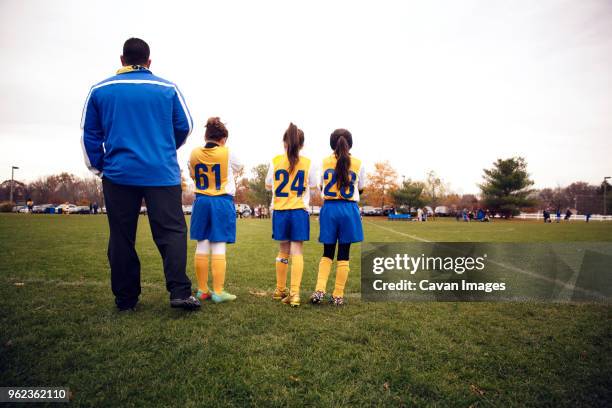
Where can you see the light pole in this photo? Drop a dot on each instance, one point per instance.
(13, 168)
(605, 186)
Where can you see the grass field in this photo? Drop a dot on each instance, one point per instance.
(60, 328)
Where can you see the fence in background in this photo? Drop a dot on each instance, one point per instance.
(581, 217)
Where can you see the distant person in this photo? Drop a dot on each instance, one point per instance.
(419, 214)
(213, 220)
(546, 215)
(290, 177)
(95, 208)
(90, 207)
(30, 205)
(480, 215)
(425, 214)
(588, 216)
(133, 123)
(568, 215)
(558, 215)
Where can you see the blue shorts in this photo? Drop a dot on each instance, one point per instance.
(340, 221)
(213, 218)
(290, 225)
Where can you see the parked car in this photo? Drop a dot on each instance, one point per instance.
(81, 209)
(187, 209)
(64, 208)
(43, 209)
(369, 210)
(243, 210)
(442, 211)
(18, 208)
(388, 210)
(103, 210)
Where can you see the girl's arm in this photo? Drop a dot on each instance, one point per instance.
(269, 177)
(361, 179)
(235, 162)
(313, 177)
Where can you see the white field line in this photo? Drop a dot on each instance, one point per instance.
(397, 232)
(556, 282)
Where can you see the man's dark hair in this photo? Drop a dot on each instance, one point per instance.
(135, 52)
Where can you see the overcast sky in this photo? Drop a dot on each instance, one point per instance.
(448, 86)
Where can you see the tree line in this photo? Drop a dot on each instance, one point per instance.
(506, 189)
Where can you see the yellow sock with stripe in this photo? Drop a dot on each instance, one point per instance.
(218, 272)
(282, 265)
(342, 271)
(297, 269)
(324, 268)
(201, 270)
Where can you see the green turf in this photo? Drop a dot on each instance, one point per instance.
(59, 328)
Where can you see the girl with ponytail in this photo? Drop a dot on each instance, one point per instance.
(290, 177)
(343, 178)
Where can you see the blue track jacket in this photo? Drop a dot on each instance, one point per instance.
(132, 124)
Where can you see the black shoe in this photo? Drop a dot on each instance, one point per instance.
(126, 306)
(189, 303)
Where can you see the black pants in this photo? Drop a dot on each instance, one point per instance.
(344, 250)
(169, 233)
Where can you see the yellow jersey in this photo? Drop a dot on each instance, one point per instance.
(212, 169)
(329, 181)
(290, 191)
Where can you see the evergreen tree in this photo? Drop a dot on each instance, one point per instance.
(505, 189)
(409, 194)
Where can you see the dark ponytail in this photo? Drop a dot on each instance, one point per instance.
(215, 129)
(294, 138)
(341, 142)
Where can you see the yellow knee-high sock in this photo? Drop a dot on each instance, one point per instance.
(201, 270)
(282, 265)
(218, 272)
(297, 269)
(324, 268)
(342, 271)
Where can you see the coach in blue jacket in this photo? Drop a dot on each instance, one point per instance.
(133, 123)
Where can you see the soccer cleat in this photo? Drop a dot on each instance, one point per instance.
(223, 297)
(280, 294)
(189, 303)
(337, 300)
(292, 300)
(202, 296)
(317, 297)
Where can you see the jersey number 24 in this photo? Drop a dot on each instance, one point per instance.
(298, 185)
